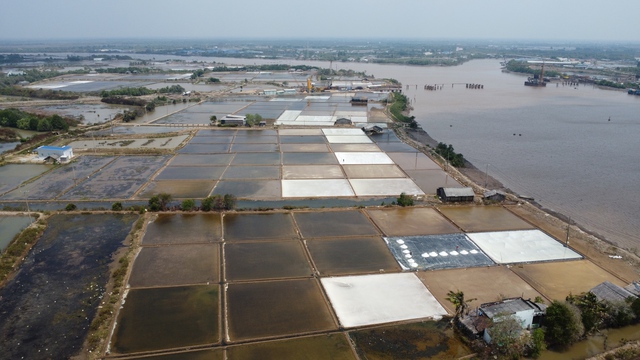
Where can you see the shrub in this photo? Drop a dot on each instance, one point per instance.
(70, 207)
(188, 205)
(405, 200)
(116, 206)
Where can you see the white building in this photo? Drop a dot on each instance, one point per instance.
(58, 153)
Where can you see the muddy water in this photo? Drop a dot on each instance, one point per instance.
(165, 318)
(265, 260)
(46, 309)
(595, 344)
(13, 175)
(334, 346)
(426, 340)
(294, 307)
(334, 223)
(258, 227)
(10, 226)
(183, 228)
(351, 256)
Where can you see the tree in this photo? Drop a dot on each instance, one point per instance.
(44, 125)
(405, 200)
(164, 198)
(458, 300)
(537, 343)
(58, 123)
(229, 201)
(563, 324)
(116, 206)
(70, 207)
(188, 205)
(507, 336)
(250, 119)
(207, 203)
(154, 203)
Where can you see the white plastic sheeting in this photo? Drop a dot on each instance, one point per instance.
(363, 158)
(377, 299)
(505, 247)
(385, 187)
(348, 139)
(316, 188)
(344, 132)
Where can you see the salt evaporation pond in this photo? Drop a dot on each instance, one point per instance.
(10, 226)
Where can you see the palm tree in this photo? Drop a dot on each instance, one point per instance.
(458, 300)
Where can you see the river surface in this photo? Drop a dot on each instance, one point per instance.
(574, 149)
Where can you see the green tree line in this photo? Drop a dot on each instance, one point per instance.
(19, 119)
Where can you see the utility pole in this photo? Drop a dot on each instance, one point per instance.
(26, 200)
(566, 244)
(486, 177)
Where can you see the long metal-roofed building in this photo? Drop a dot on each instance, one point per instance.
(64, 153)
(611, 292)
(464, 194)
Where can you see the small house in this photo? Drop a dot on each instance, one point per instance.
(494, 195)
(464, 194)
(237, 120)
(61, 154)
(270, 92)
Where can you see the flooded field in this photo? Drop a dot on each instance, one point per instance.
(250, 189)
(402, 222)
(135, 129)
(58, 180)
(10, 226)
(90, 114)
(47, 308)
(183, 229)
(334, 223)
(118, 180)
(201, 160)
(167, 143)
(333, 346)
(473, 282)
(179, 189)
(295, 307)
(176, 265)
(258, 227)
(166, 318)
(191, 173)
(484, 218)
(351, 256)
(265, 260)
(215, 354)
(424, 340)
(13, 175)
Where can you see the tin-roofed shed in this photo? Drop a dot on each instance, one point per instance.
(455, 194)
(611, 292)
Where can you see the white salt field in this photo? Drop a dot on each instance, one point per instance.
(377, 299)
(385, 187)
(361, 158)
(506, 247)
(316, 188)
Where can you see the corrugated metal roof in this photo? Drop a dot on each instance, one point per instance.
(510, 306)
(48, 147)
(611, 292)
(457, 192)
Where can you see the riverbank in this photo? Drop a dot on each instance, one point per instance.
(618, 261)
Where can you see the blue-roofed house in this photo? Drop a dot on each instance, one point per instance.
(61, 154)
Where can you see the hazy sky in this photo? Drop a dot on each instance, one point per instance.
(613, 20)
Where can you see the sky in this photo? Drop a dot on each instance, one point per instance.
(553, 20)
